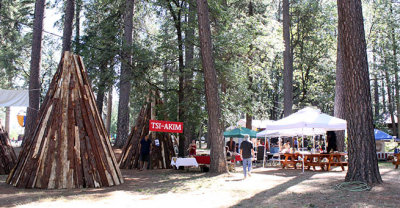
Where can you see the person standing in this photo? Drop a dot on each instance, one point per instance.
(192, 148)
(247, 153)
(331, 137)
(231, 145)
(145, 150)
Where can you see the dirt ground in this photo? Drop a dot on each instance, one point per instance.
(267, 187)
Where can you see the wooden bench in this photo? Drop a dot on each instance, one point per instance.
(290, 159)
(315, 160)
(324, 160)
(397, 162)
(339, 162)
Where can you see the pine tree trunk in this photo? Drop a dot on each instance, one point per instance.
(109, 110)
(7, 121)
(101, 88)
(100, 100)
(78, 6)
(218, 158)
(390, 98)
(188, 76)
(177, 16)
(339, 108)
(363, 163)
(249, 118)
(34, 77)
(249, 121)
(125, 84)
(395, 67)
(383, 95)
(376, 87)
(287, 61)
(376, 97)
(68, 20)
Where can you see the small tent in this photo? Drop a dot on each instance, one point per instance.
(240, 132)
(380, 135)
(69, 147)
(163, 148)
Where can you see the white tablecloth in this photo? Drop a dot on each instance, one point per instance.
(184, 162)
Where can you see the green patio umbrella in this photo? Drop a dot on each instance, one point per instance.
(240, 132)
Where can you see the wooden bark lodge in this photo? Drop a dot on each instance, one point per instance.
(161, 155)
(69, 148)
(7, 154)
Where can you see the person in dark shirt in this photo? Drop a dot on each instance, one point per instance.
(145, 150)
(231, 145)
(331, 138)
(247, 152)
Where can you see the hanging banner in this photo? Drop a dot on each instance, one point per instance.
(166, 126)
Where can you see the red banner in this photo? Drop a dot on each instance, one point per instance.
(166, 126)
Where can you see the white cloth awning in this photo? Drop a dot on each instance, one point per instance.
(14, 98)
(309, 118)
(291, 132)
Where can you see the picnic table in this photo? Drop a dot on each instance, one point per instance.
(324, 161)
(397, 162)
(290, 159)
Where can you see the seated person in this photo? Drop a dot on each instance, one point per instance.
(286, 147)
(228, 154)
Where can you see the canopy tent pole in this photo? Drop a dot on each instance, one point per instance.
(269, 143)
(265, 149)
(313, 143)
(302, 152)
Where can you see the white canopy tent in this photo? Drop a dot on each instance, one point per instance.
(309, 118)
(308, 121)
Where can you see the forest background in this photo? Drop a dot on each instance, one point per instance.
(248, 52)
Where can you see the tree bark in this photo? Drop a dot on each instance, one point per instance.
(249, 121)
(376, 87)
(287, 61)
(390, 97)
(249, 114)
(395, 68)
(383, 95)
(363, 163)
(376, 98)
(125, 84)
(7, 121)
(101, 88)
(109, 110)
(218, 157)
(177, 16)
(188, 75)
(68, 20)
(100, 100)
(34, 78)
(78, 6)
(339, 108)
